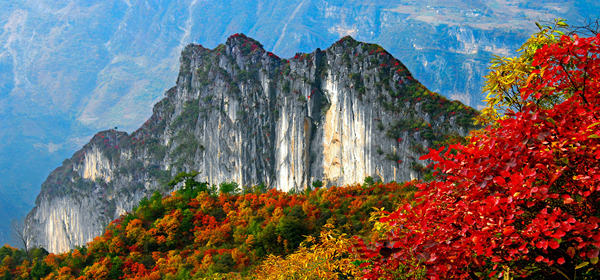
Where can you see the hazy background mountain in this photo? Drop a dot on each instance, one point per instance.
(70, 68)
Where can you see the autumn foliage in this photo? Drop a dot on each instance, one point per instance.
(196, 233)
(521, 199)
(327, 258)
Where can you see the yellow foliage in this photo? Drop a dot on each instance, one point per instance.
(329, 259)
(64, 273)
(206, 201)
(168, 225)
(380, 230)
(278, 214)
(98, 270)
(172, 200)
(134, 229)
(23, 269)
(509, 75)
(7, 261)
(207, 261)
(116, 245)
(135, 256)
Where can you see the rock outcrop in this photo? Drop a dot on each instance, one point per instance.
(239, 113)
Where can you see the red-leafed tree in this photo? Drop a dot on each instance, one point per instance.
(522, 197)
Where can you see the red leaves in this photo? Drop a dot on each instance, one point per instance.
(520, 191)
(593, 253)
(553, 244)
(558, 234)
(542, 244)
(433, 155)
(507, 231)
(499, 180)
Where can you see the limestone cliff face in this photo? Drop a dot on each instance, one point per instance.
(240, 113)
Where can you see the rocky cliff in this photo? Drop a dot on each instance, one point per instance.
(240, 113)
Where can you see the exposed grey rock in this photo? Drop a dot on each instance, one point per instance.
(239, 113)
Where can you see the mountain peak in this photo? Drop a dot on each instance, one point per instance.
(347, 38)
(239, 39)
(346, 41)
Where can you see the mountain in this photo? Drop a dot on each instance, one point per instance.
(242, 114)
(70, 68)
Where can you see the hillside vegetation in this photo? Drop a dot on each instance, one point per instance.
(216, 232)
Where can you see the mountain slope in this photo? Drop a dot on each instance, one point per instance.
(242, 114)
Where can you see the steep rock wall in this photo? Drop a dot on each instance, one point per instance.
(239, 113)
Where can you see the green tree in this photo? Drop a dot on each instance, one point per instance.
(40, 270)
(190, 187)
(228, 188)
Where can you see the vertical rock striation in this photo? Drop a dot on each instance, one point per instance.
(240, 113)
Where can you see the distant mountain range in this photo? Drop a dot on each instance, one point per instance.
(70, 68)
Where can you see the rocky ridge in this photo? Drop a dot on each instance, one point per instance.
(240, 113)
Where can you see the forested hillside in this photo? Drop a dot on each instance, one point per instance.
(220, 232)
